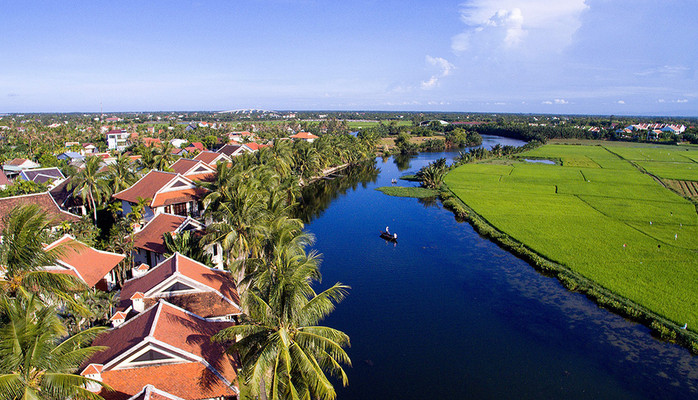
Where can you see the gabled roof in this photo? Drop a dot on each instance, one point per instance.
(232, 150)
(304, 135)
(150, 392)
(43, 200)
(18, 161)
(210, 157)
(3, 179)
(254, 146)
(83, 261)
(194, 366)
(150, 237)
(163, 188)
(178, 268)
(41, 175)
(194, 169)
(64, 197)
(196, 146)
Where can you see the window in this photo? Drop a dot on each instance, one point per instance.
(151, 355)
(179, 209)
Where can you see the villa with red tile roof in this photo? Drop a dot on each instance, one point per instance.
(150, 142)
(169, 348)
(234, 150)
(148, 242)
(212, 158)
(307, 136)
(45, 202)
(255, 146)
(166, 192)
(94, 267)
(207, 292)
(194, 169)
(240, 137)
(195, 146)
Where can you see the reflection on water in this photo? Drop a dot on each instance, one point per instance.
(449, 314)
(315, 198)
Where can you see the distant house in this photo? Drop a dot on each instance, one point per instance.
(240, 137)
(117, 139)
(71, 156)
(151, 142)
(212, 158)
(254, 146)
(675, 129)
(306, 136)
(94, 267)
(13, 167)
(176, 142)
(166, 192)
(43, 200)
(167, 347)
(195, 147)
(42, 175)
(234, 150)
(3, 181)
(89, 148)
(207, 292)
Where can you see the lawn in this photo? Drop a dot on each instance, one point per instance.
(600, 216)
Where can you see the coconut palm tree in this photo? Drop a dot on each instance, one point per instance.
(119, 175)
(36, 359)
(90, 184)
(187, 244)
(164, 157)
(23, 258)
(284, 353)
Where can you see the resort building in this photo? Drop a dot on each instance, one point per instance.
(165, 192)
(207, 292)
(212, 158)
(168, 348)
(96, 268)
(43, 200)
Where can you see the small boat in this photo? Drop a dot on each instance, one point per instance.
(389, 237)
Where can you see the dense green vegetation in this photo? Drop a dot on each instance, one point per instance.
(598, 215)
(401, 191)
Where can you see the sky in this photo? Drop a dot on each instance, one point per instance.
(621, 57)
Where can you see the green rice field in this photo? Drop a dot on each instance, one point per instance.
(597, 213)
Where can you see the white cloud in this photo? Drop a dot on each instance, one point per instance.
(682, 100)
(444, 68)
(546, 102)
(661, 101)
(621, 101)
(561, 101)
(532, 25)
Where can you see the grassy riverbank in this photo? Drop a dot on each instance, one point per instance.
(611, 228)
(401, 191)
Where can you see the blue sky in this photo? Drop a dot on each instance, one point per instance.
(538, 56)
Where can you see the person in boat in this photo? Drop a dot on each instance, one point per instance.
(395, 236)
(387, 231)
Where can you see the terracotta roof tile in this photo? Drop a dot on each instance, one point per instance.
(217, 280)
(179, 196)
(43, 200)
(150, 237)
(210, 157)
(91, 264)
(146, 187)
(304, 135)
(229, 149)
(188, 381)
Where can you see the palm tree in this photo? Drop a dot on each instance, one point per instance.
(164, 157)
(284, 353)
(23, 258)
(120, 175)
(90, 184)
(187, 244)
(36, 359)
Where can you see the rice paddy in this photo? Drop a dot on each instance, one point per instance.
(599, 214)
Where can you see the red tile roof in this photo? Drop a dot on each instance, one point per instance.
(304, 135)
(150, 237)
(16, 161)
(90, 264)
(3, 179)
(43, 200)
(210, 157)
(187, 381)
(150, 392)
(193, 169)
(219, 283)
(181, 331)
(154, 181)
(229, 149)
(255, 146)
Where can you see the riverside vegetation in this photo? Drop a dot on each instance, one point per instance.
(601, 219)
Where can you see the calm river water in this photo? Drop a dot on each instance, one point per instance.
(448, 314)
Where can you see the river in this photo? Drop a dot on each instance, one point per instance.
(446, 313)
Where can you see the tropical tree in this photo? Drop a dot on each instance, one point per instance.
(432, 175)
(23, 258)
(90, 184)
(284, 353)
(164, 157)
(187, 244)
(120, 175)
(36, 359)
